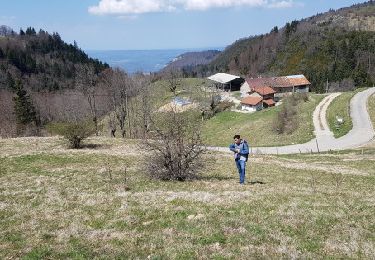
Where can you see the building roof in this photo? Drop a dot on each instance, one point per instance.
(298, 80)
(223, 78)
(279, 82)
(252, 101)
(269, 102)
(263, 90)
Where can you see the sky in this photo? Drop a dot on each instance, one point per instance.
(158, 24)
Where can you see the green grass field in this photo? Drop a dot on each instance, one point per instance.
(188, 87)
(340, 107)
(57, 203)
(371, 109)
(257, 127)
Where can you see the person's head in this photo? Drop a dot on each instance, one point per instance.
(237, 139)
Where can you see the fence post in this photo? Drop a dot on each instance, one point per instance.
(317, 145)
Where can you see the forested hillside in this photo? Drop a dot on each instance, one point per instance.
(337, 46)
(42, 61)
(43, 79)
(188, 60)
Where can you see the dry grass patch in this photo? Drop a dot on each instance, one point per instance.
(64, 205)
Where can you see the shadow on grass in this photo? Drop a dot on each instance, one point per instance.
(95, 146)
(219, 178)
(256, 182)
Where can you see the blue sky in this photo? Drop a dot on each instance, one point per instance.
(158, 24)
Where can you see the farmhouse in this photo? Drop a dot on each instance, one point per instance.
(266, 93)
(282, 85)
(252, 104)
(227, 82)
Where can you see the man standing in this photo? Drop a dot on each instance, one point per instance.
(241, 154)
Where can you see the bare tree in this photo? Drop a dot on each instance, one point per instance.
(112, 124)
(173, 77)
(86, 80)
(142, 83)
(176, 146)
(119, 89)
(7, 117)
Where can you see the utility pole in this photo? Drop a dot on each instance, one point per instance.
(327, 86)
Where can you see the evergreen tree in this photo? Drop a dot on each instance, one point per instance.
(24, 109)
(288, 29)
(275, 29)
(30, 31)
(9, 81)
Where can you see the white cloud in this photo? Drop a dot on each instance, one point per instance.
(281, 4)
(127, 7)
(207, 4)
(130, 6)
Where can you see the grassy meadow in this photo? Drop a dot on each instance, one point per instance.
(97, 202)
(340, 107)
(187, 87)
(257, 127)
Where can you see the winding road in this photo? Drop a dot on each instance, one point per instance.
(361, 133)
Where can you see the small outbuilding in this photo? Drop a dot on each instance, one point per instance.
(227, 82)
(252, 104)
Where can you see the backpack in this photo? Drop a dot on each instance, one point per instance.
(246, 155)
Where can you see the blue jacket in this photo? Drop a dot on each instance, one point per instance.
(243, 147)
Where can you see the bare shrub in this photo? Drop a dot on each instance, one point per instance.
(7, 116)
(303, 96)
(286, 120)
(343, 85)
(222, 106)
(176, 146)
(74, 133)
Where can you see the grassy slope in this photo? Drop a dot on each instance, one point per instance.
(371, 109)
(257, 127)
(340, 106)
(189, 87)
(63, 204)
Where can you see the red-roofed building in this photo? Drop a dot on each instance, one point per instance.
(269, 103)
(281, 85)
(252, 104)
(265, 92)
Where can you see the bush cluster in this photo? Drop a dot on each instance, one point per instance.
(286, 120)
(175, 147)
(74, 133)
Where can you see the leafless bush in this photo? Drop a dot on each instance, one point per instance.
(343, 85)
(222, 106)
(176, 147)
(7, 117)
(286, 120)
(74, 133)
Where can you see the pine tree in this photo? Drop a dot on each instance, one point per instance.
(30, 31)
(24, 109)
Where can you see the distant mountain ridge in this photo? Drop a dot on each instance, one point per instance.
(190, 59)
(336, 46)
